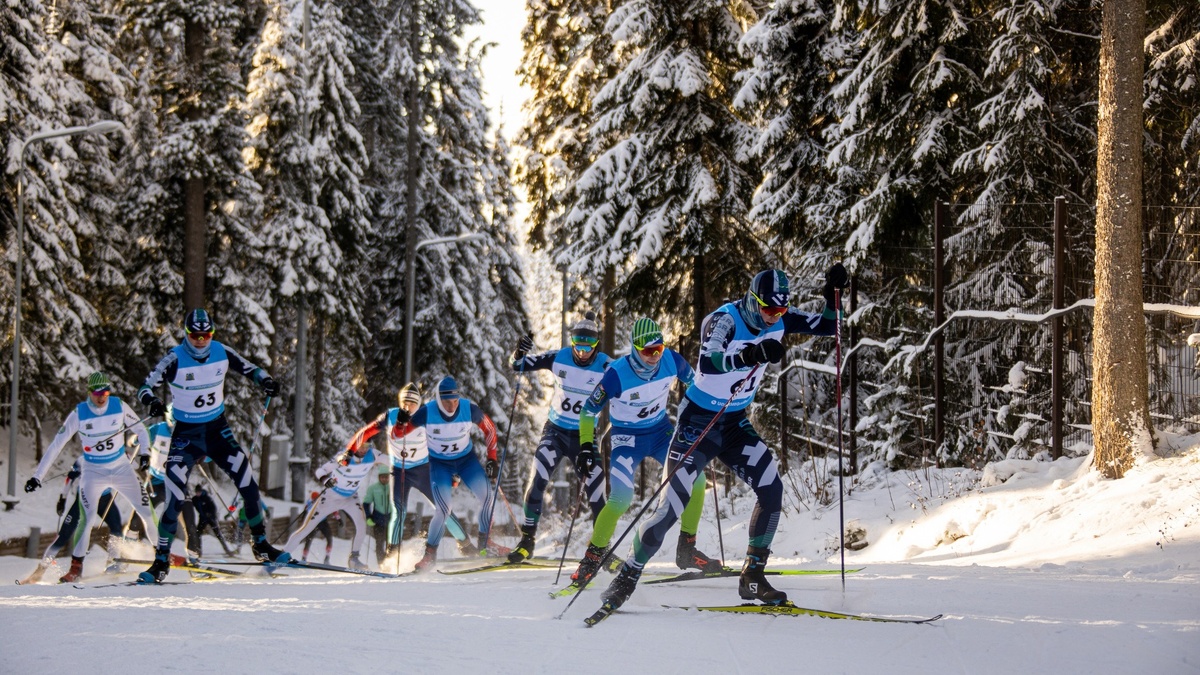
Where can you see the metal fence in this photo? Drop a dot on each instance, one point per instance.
(939, 377)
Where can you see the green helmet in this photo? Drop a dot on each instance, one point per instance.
(645, 332)
(97, 381)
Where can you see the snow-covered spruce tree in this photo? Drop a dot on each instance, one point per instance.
(468, 298)
(566, 60)
(664, 201)
(904, 83)
(1035, 135)
(195, 132)
(1171, 188)
(65, 257)
(315, 213)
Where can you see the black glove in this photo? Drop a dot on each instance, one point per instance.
(155, 407)
(402, 417)
(32, 484)
(329, 482)
(492, 469)
(835, 277)
(143, 463)
(587, 460)
(61, 505)
(767, 351)
(270, 387)
(524, 345)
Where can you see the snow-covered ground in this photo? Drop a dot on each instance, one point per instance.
(1039, 567)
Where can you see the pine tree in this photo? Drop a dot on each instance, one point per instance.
(663, 202)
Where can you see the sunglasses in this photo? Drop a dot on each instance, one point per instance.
(652, 350)
(769, 310)
(584, 342)
(103, 391)
(201, 334)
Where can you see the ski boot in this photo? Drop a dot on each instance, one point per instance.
(355, 563)
(158, 570)
(326, 561)
(427, 561)
(74, 573)
(687, 556)
(621, 587)
(753, 583)
(265, 552)
(469, 550)
(589, 565)
(524, 547)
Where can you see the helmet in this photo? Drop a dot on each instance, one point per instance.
(409, 393)
(98, 381)
(645, 333)
(768, 289)
(198, 321)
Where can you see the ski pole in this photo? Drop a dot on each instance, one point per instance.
(213, 487)
(671, 474)
(504, 452)
(837, 301)
(288, 528)
(574, 515)
(508, 505)
(717, 509)
(401, 512)
(257, 427)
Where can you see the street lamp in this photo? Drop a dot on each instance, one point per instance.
(410, 291)
(14, 400)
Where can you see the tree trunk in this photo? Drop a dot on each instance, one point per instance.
(318, 431)
(195, 253)
(1120, 412)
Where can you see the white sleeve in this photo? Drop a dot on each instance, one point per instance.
(132, 421)
(65, 432)
(326, 469)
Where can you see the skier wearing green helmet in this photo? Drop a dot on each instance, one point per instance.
(636, 388)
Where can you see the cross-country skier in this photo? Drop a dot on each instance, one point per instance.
(736, 339)
(447, 422)
(410, 465)
(577, 369)
(636, 388)
(195, 371)
(67, 529)
(342, 476)
(101, 423)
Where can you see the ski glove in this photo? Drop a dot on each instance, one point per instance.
(402, 418)
(492, 468)
(767, 351)
(270, 387)
(32, 484)
(61, 505)
(836, 277)
(524, 346)
(155, 407)
(143, 463)
(587, 460)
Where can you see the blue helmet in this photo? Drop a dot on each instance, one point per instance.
(447, 390)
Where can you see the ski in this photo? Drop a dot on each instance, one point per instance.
(523, 565)
(181, 563)
(606, 610)
(300, 564)
(570, 589)
(130, 583)
(789, 609)
(732, 572)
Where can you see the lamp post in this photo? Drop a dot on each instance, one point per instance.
(14, 400)
(410, 291)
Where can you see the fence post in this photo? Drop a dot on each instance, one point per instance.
(1056, 358)
(941, 214)
(33, 544)
(853, 373)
